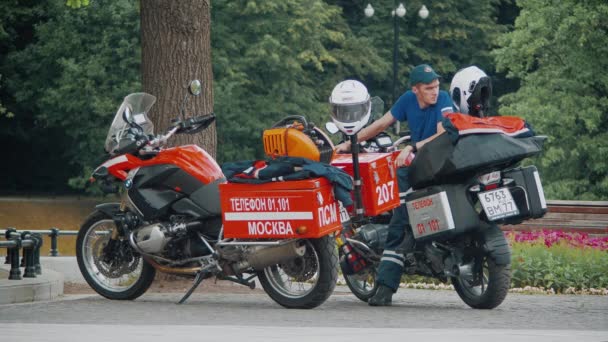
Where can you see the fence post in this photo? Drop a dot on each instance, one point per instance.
(28, 255)
(23, 255)
(39, 241)
(54, 234)
(15, 273)
(7, 236)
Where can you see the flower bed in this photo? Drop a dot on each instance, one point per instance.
(552, 237)
(559, 262)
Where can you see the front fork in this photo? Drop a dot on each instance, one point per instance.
(123, 220)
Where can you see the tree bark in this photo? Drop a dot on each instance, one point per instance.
(176, 48)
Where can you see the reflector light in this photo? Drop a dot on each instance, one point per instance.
(489, 178)
(491, 186)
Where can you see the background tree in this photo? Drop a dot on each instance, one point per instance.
(456, 34)
(176, 40)
(275, 58)
(558, 51)
(64, 73)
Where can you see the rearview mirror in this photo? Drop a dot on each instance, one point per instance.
(377, 107)
(195, 87)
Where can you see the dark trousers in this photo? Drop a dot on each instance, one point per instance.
(391, 264)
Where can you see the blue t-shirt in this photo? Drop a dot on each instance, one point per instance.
(422, 122)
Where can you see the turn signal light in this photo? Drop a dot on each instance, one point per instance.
(301, 230)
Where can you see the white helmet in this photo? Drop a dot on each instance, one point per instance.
(350, 106)
(471, 90)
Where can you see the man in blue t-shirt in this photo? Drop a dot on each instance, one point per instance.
(423, 108)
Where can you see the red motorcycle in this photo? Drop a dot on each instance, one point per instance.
(178, 215)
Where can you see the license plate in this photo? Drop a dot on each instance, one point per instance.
(498, 204)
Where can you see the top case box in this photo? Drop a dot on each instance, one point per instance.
(378, 180)
(292, 209)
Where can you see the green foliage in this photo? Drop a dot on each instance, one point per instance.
(64, 71)
(16, 21)
(558, 51)
(77, 3)
(455, 34)
(558, 267)
(276, 58)
(72, 77)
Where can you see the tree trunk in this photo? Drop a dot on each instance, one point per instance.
(176, 48)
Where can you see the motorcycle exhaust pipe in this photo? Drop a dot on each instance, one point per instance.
(263, 257)
(184, 271)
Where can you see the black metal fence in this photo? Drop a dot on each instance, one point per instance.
(29, 242)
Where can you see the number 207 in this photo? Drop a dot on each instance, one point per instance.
(385, 192)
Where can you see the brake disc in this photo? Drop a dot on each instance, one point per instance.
(122, 262)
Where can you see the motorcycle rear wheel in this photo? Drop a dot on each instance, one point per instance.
(124, 275)
(486, 286)
(304, 282)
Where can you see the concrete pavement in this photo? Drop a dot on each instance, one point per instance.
(184, 333)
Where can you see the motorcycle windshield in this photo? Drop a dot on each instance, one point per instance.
(137, 106)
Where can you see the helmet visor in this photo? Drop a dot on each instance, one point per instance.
(348, 113)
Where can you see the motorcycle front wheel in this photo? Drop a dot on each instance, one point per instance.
(110, 266)
(363, 284)
(304, 282)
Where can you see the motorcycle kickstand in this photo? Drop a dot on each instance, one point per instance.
(197, 281)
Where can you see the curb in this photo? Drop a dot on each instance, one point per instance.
(47, 286)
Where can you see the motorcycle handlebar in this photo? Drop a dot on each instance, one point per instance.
(402, 140)
(191, 125)
(204, 120)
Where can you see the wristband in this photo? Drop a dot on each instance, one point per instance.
(414, 149)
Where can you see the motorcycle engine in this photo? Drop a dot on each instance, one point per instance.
(151, 239)
(373, 235)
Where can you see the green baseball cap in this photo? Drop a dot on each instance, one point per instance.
(422, 73)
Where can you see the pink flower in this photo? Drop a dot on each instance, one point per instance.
(551, 237)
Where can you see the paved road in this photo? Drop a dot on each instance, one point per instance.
(425, 315)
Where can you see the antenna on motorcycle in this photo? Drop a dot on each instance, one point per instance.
(194, 88)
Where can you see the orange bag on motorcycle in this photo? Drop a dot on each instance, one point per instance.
(472, 146)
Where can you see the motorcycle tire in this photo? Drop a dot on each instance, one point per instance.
(124, 279)
(314, 276)
(490, 283)
(363, 285)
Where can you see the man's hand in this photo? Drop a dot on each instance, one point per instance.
(400, 161)
(343, 147)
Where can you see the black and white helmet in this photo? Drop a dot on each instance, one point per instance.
(471, 90)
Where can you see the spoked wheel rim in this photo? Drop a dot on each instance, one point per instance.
(298, 277)
(474, 277)
(364, 283)
(117, 273)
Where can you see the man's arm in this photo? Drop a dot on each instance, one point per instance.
(369, 131)
(440, 130)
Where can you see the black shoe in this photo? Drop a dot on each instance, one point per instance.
(383, 297)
